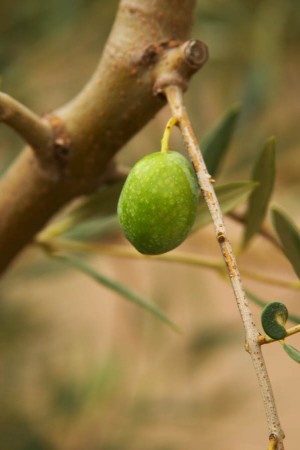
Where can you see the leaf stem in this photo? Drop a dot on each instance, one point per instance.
(289, 332)
(174, 97)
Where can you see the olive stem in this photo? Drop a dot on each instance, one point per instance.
(166, 136)
(289, 332)
(174, 97)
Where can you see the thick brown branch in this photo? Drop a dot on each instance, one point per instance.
(116, 103)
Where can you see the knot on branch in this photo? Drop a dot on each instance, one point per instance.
(196, 53)
(58, 154)
(177, 64)
(61, 150)
(154, 52)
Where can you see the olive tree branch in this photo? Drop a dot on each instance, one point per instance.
(87, 132)
(174, 97)
(35, 131)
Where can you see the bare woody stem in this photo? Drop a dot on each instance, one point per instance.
(289, 332)
(174, 97)
(36, 132)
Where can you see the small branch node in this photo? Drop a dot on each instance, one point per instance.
(196, 53)
(247, 347)
(59, 151)
(221, 237)
(273, 441)
(177, 64)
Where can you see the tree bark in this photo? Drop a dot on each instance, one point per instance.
(87, 132)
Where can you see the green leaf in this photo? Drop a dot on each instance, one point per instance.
(83, 267)
(289, 236)
(101, 204)
(264, 174)
(229, 195)
(273, 317)
(258, 301)
(94, 228)
(292, 352)
(216, 143)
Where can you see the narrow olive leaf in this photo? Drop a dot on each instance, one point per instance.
(292, 352)
(229, 195)
(264, 174)
(273, 318)
(258, 301)
(101, 204)
(83, 267)
(289, 236)
(94, 229)
(216, 143)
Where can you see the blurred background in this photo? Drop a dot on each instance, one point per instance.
(80, 367)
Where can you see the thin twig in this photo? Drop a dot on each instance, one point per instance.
(36, 132)
(289, 332)
(125, 252)
(174, 97)
(48, 235)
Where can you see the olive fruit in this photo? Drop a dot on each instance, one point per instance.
(158, 202)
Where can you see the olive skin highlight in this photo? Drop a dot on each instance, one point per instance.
(158, 203)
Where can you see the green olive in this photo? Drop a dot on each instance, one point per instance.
(158, 203)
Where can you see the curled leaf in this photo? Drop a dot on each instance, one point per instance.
(258, 301)
(273, 319)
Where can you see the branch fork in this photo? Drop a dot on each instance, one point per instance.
(64, 162)
(177, 65)
(46, 136)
